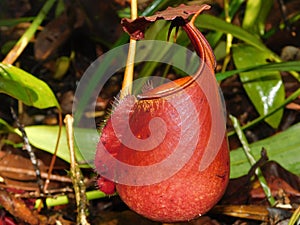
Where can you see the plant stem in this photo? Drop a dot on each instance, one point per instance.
(53, 159)
(229, 37)
(76, 175)
(295, 217)
(129, 70)
(16, 51)
(252, 160)
(63, 199)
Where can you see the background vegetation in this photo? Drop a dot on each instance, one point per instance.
(47, 45)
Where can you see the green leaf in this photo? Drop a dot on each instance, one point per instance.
(6, 47)
(282, 148)
(264, 88)
(44, 137)
(214, 37)
(263, 15)
(282, 66)
(13, 22)
(256, 14)
(213, 23)
(61, 67)
(25, 87)
(60, 8)
(5, 127)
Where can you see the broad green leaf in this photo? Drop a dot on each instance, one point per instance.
(44, 137)
(264, 88)
(25, 87)
(282, 148)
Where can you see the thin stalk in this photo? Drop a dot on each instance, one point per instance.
(76, 175)
(129, 70)
(252, 160)
(229, 36)
(17, 50)
(63, 199)
(53, 159)
(295, 217)
(30, 152)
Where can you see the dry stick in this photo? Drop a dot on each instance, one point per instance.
(283, 12)
(28, 148)
(128, 74)
(76, 175)
(53, 159)
(32, 173)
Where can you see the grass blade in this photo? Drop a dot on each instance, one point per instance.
(250, 157)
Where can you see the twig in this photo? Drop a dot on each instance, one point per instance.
(55, 152)
(32, 173)
(28, 148)
(283, 12)
(129, 70)
(76, 175)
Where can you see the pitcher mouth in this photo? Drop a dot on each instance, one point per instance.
(166, 89)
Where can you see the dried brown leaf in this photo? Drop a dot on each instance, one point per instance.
(136, 28)
(17, 208)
